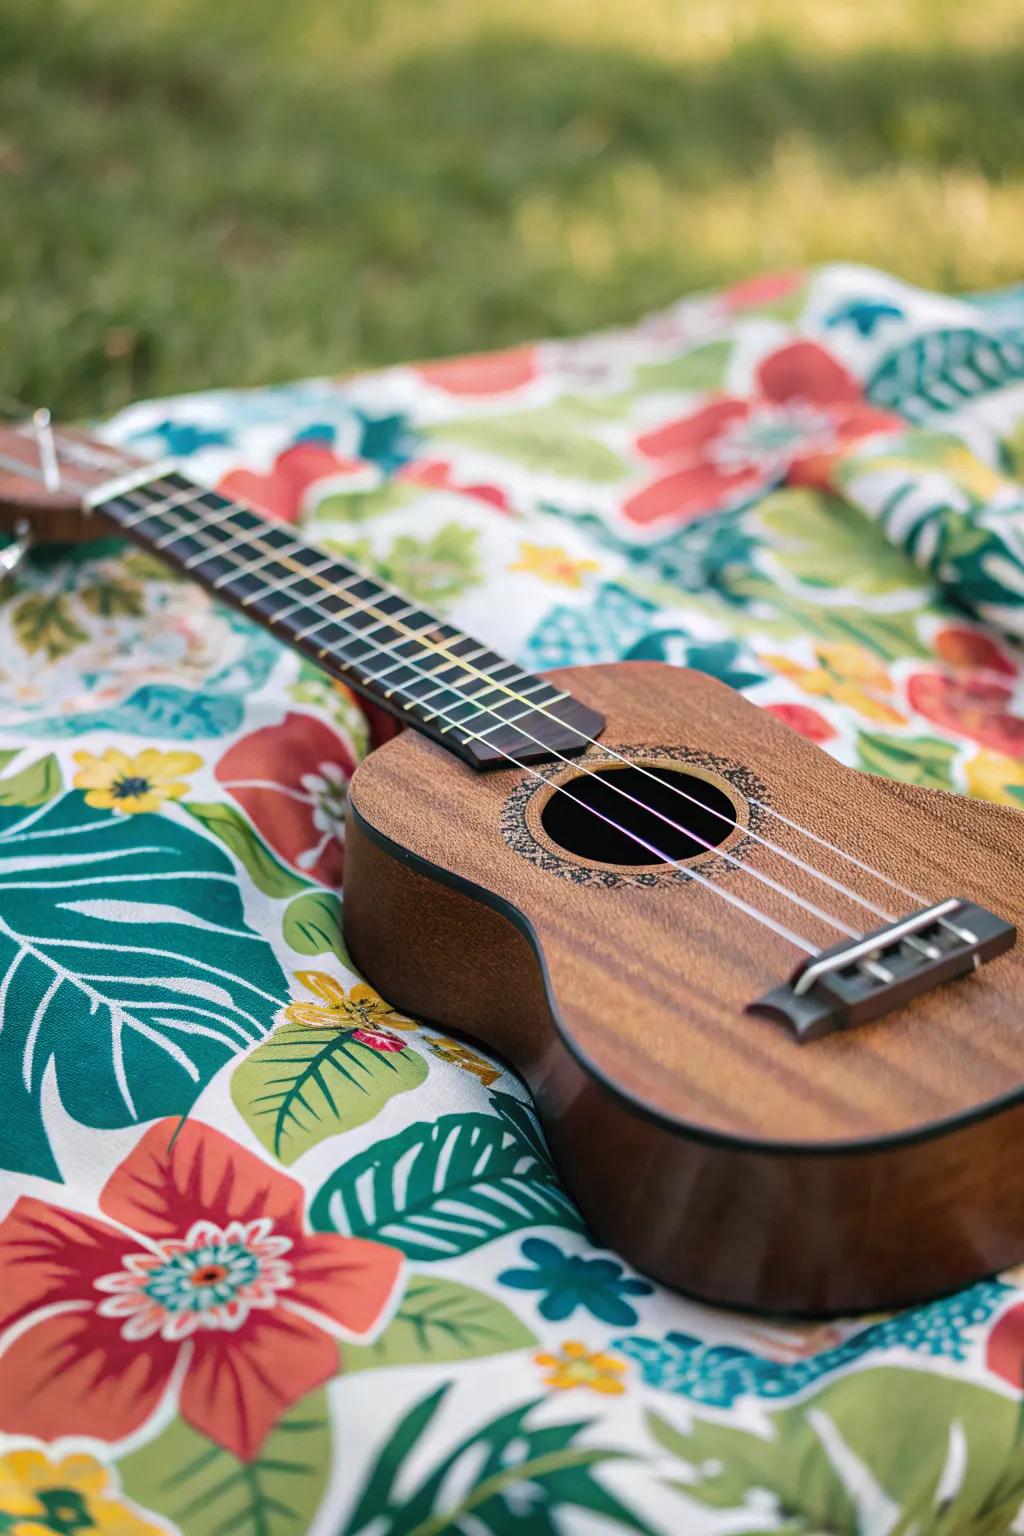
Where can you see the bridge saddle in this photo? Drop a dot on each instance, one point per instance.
(863, 979)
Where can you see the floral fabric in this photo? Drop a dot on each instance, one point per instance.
(275, 1258)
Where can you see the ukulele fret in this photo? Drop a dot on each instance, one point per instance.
(284, 588)
(429, 673)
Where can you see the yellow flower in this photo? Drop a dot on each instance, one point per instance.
(116, 782)
(575, 1366)
(39, 1496)
(992, 776)
(359, 1008)
(461, 1056)
(549, 563)
(853, 663)
(846, 674)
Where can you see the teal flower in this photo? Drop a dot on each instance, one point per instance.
(865, 315)
(569, 1281)
(181, 438)
(727, 660)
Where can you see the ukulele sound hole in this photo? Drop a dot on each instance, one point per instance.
(698, 815)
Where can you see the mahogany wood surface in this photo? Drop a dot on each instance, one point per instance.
(868, 1168)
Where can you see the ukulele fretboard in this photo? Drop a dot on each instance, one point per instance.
(429, 673)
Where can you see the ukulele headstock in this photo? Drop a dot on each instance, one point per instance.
(45, 475)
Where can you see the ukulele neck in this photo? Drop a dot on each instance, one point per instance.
(428, 673)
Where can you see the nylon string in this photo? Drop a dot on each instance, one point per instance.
(160, 507)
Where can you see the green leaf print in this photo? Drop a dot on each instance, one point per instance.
(891, 1450)
(440, 1321)
(442, 1188)
(824, 542)
(231, 827)
(434, 570)
(917, 446)
(549, 441)
(141, 565)
(127, 970)
(363, 506)
(110, 599)
(521, 1119)
(312, 925)
(42, 623)
(914, 759)
(941, 369)
(204, 1490)
(1013, 449)
(772, 612)
(524, 1479)
(305, 1084)
(32, 785)
(960, 521)
(702, 368)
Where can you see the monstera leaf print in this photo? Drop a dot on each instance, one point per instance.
(443, 1188)
(129, 976)
(942, 369)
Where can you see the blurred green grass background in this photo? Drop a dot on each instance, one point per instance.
(245, 191)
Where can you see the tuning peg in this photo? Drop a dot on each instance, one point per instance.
(13, 554)
(48, 461)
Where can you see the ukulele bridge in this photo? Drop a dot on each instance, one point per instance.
(863, 979)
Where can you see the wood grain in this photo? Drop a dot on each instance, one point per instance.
(706, 1144)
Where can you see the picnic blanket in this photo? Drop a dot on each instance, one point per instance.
(275, 1258)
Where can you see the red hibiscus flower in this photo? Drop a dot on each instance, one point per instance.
(483, 373)
(209, 1287)
(281, 492)
(290, 779)
(969, 706)
(437, 474)
(756, 292)
(799, 717)
(959, 646)
(806, 408)
(1004, 1347)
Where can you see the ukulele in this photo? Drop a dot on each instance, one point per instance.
(770, 1009)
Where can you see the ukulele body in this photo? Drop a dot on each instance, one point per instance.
(871, 1168)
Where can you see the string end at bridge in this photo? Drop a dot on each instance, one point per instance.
(863, 979)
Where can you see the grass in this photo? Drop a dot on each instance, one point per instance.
(198, 194)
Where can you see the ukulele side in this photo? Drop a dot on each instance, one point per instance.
(813, 1227)
(812, 1235)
